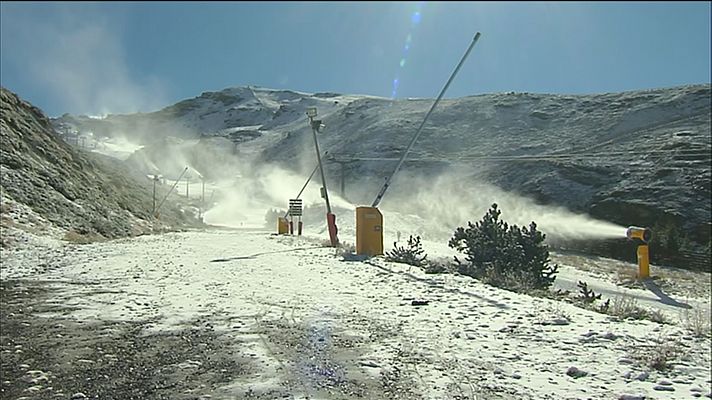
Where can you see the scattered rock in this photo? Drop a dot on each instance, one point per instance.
(575, 372)
(631, 397)
(664, 388)
(556, 321)
(369, 363)
(643, 376)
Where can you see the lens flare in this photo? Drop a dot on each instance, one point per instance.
(415, 19)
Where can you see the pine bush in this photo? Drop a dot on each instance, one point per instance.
(502, 255)
(413, 254)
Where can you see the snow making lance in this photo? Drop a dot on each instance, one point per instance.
(155, 213)
(317, 125)
(369, 220)
(283, 225)
(642, 236)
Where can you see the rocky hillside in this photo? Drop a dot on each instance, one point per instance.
(82, 193)
(632, 158)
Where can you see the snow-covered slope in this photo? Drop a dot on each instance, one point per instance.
(225, 313)
(295, 321)
(632, 158)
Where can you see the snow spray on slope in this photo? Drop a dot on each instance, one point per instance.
(238, 191)
(433, 210)
(451, 200)
(246, 199)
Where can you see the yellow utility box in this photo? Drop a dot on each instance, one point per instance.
(282, 226)
(369, 231)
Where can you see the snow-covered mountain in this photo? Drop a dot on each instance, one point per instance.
(47, 183)
(245, 313)
(632, 158)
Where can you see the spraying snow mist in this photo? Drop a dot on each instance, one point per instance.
(247, 199)
(451, 200)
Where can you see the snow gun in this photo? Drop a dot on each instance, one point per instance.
(635, 232)
(643, 235)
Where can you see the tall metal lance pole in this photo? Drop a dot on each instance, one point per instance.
(330, 218)
(187, 185)
(343, 180)
(170, 191)
(420, 128)
(305, 184)
(153, 210)
(314, 124)
(202, 197)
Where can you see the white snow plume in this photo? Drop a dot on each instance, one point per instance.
(451, 200)
(117, 147)
(246, 200)
(78, 56)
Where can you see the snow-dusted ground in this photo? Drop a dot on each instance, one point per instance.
(115, 147)
(300, 311)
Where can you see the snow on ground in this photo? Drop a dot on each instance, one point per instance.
(674, 305)
(471, 340)
(29, 241)
(117, 147)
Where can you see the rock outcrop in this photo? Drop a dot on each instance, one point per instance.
(86, 193)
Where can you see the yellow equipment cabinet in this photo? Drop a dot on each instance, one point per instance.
(369, 231)
(282, 226)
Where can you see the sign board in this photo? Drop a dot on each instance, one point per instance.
(295, 207)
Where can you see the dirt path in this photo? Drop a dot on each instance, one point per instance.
(247, 315)
(60, 357)
(46, 354)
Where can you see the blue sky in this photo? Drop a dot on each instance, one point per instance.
(97, 58)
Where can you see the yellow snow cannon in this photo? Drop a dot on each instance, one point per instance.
(643, 236)
(635, 232)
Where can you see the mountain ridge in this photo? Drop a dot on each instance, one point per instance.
(84, 194)
(632, 158)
